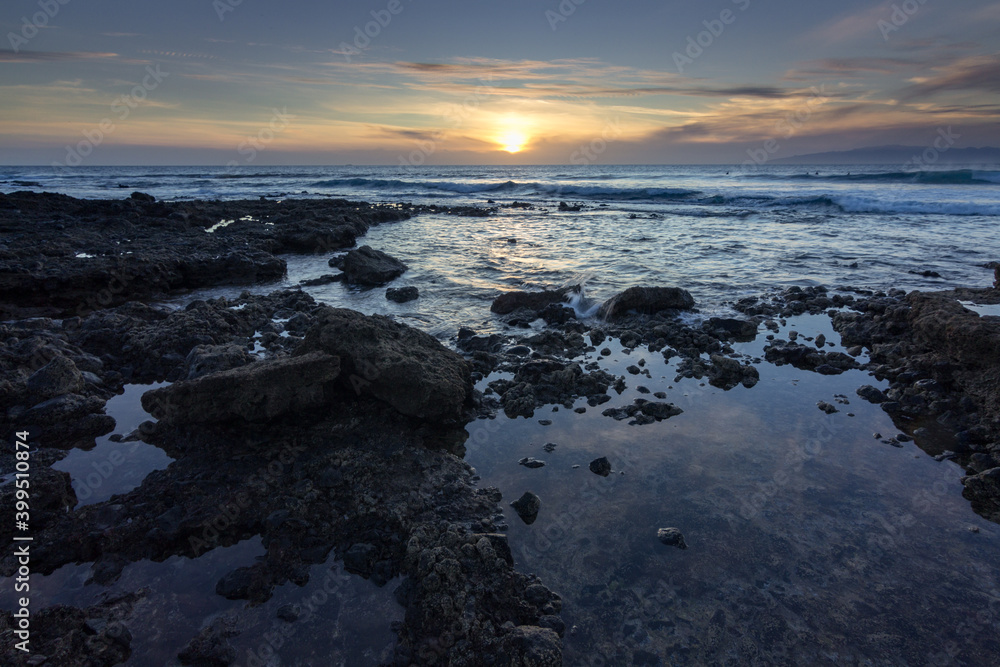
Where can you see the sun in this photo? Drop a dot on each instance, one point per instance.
(513, 141)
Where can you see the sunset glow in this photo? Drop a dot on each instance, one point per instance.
(531, 90)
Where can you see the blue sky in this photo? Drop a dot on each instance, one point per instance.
(475, 82)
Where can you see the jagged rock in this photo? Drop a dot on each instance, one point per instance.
(983, 490)
(207, 359)
(742, 330)
(726, 373)
(646, 300)
(256, 392)
(508, 302)
(59, 376)
(400, 365)
(872, 394)
(367, 266)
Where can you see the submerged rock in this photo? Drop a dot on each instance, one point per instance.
(402, 294)
(527, 507)
(646, 300)
(531, 462)
(672, 537)
(405, 367)
(256, 392)
(367, 266)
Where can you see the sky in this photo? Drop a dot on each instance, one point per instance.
(220, 82)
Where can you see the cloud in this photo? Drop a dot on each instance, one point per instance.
(979, 74)
(851, 26)
(8, 56)
(851, 68)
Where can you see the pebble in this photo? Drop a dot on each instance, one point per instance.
(672, 537)
(601, 466)
(530, 462)
(545, 422)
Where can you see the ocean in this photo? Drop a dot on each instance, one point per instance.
(721, 232)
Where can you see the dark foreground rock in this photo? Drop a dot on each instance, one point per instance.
(257, 392)
(402, 366)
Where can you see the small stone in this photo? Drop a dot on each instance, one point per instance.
(527, 507)
(289, 612)
(826, 407)
(672, 537)
(601, 466)
(545, 422)
(529, 462)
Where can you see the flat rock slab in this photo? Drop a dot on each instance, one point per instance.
(254, 393)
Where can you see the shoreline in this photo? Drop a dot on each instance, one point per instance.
(447, 537)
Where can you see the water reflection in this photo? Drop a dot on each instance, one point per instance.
(809, 541)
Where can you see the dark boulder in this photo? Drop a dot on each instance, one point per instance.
(367, 266)
(646, 300)
(402, 294)
(400, 365)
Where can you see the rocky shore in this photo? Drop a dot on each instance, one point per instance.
(326, 432)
